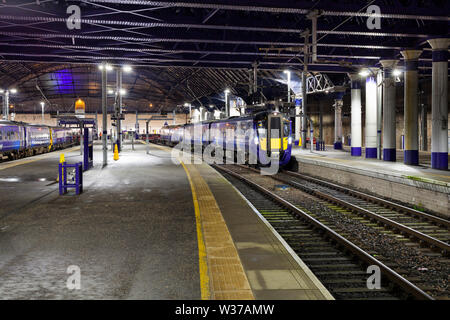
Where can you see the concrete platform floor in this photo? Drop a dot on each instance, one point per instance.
(121, 232)
(343, 158)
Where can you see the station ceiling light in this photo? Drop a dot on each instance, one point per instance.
(396, 72)
(364, 73)
(108, 67)
(2, 91)
(123, 92)
(127, 68)
(13, 90)
(227, 91)
(110, 91)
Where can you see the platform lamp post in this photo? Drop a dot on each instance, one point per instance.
(227, 103)
(104, 67)
(288, 73)
(5, 95)
(120, 92)
(42, 108)
(186, 104)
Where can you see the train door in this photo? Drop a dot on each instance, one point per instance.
(274, 133)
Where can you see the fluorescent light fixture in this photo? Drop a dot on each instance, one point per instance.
(227, 91)
(286, 71)
(364, 73)
(127, 68)
(396, 72)
(123, 91)
(42, 103)
(186, 104)
(110, 91)
(13, 90)
(108, 67)
(2, 91)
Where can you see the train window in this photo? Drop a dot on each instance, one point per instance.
(285, 129)
(275, 123)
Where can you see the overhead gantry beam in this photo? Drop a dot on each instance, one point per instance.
(268, 9)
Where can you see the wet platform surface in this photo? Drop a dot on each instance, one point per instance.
(344, 159)
(136, 233)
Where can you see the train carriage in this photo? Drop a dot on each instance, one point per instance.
(268, 133)
(18, 139)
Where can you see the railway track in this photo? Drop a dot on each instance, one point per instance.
(424, 228)
(339, 264)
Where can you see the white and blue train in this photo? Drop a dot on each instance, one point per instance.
(19, 139)
(263, 125)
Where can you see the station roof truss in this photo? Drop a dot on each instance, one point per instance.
(193, 50)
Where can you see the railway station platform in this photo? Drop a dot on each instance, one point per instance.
(419, 186)
(144, 228)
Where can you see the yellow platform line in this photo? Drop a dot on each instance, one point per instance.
(38, 157)
(203, 265)
(222, 275)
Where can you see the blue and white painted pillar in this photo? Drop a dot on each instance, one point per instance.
(411, 109)
(439, 104)
(338, 103)
(389, 141)
(371, 117)
(356, 115)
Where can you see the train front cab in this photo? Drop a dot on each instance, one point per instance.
(275, 140)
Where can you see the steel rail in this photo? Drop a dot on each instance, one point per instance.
(385, 203)
(361, 254)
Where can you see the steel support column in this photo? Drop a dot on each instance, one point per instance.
(411, 110)
(119, 109)
(104, 115)
(338, 103)
(379, 110)
(389, 130)
(304, 110)
(439, 104)
(371, 118)
(356, 131)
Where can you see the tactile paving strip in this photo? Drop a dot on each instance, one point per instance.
(227, 279)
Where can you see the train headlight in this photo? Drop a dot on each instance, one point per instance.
(290, 140)
(256, 140)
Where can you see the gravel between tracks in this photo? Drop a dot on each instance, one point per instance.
(429, 272)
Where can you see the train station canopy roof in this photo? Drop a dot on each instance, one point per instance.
(193, 50)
